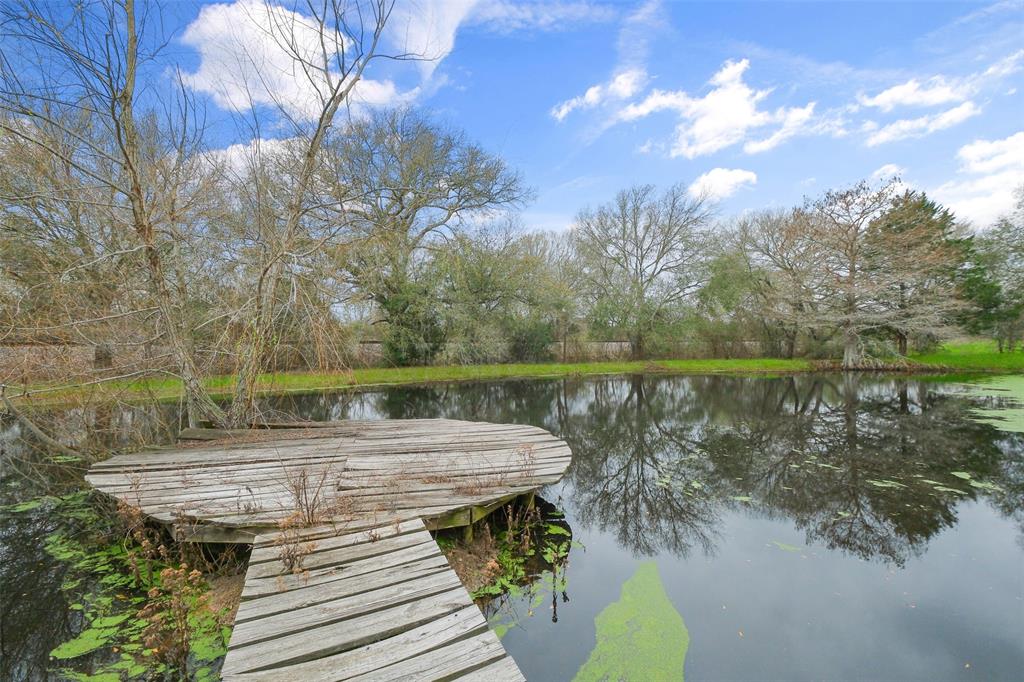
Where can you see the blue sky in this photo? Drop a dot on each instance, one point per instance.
(759, 104)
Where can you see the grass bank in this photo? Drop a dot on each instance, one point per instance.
(395, 376)
(981, 356)
(972, 356)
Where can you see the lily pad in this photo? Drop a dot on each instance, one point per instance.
(89, 640)
(886, 484)
(639, 637)
(1009, 417)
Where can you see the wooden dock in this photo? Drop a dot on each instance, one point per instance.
(372, 597)
(382, 608)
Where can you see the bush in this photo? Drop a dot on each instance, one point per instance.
(530, 340)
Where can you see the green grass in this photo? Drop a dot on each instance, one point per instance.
(972, 355)
(221, 386)
(391, 376)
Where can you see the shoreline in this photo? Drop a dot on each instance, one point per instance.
(952, 360)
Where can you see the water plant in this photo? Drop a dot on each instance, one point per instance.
(143, 612)
(641, 636)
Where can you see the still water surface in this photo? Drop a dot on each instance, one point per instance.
(809, 527)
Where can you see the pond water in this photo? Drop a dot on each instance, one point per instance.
(817, 526)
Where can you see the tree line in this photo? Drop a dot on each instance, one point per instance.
(124, 229)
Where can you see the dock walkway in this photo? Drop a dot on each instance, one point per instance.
(382, 608)
(373, 597)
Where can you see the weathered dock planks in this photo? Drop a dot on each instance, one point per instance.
(374, 598)
(382, 604)
(356, 474)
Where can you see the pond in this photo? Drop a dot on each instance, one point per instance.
(806, 527)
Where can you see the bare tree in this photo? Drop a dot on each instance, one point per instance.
(147, 197)
(348, 36)
(84, 62)
(406, 184)
(641, 255)
(780, 256)
(839, 228)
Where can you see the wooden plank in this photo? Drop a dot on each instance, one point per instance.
(319, 560)
(255, 587)
(402, 646)
(284, 623)
(447, 662)
(352, 581)
(319, 641)
(502, 670)
(343, 540)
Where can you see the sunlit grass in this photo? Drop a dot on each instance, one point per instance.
(973, 355)
(968, 356)
(221, 386)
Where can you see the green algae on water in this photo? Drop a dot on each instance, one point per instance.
(1009, 417)
(639, 637)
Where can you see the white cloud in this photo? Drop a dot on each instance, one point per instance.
(630, 74)
(794, 121)
(725, 116)
(940, 89)
(427, 28)
(888, 171)
(995, 169)
(621, 86)
(1004, 67)
(913, 93)
(985, 156)
(507, 17)
(921, 126)
(719, 183)
(238, 159)
(243, 62)
(247, 52)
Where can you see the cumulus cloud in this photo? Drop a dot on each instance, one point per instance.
(989, 156)
(719, 183)
(795, 120)
(251, 53)
(630, 74)
(621, 86)
(991, 171)
(941, 89)
(921, 126)
(888, 171)
(238, 159)
(427, 29)
(725, 116)
(244, 60)
(913, 93)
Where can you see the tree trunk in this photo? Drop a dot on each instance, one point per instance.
(851, 349)
(901, 339)
(102, 356)
(637, 346)
(198, 401)
(791, 345)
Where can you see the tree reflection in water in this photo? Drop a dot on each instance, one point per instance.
(859, 463)
(854, 460)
